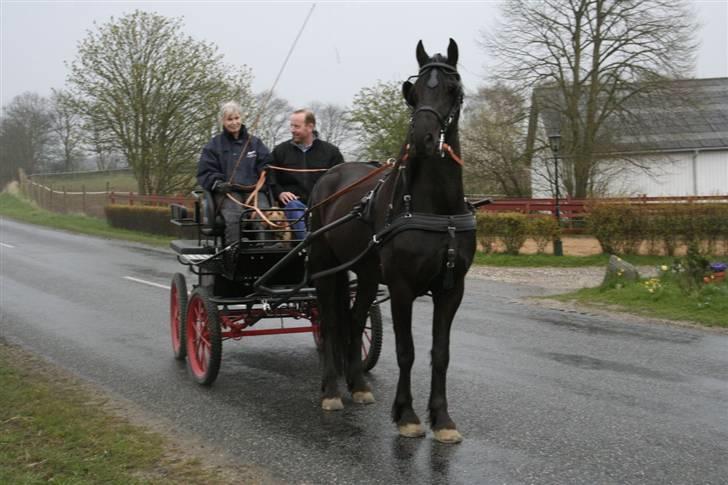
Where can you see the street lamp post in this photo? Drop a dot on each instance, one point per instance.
(555, 143)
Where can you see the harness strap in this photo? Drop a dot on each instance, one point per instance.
(346, 189)
(453, 155)
(427, 222)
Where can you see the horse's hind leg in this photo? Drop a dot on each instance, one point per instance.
(367, 282)
(403, 414)
(446, 303)
(333, 322)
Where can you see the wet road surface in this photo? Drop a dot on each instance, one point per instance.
(541, 396)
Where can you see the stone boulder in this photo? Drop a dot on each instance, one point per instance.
(620, 271)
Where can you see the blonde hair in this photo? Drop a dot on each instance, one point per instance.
(227, 108)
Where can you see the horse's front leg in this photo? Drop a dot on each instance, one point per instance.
(403, 414)
(446, 303)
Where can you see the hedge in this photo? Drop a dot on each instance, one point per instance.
(513, 228)
(149, 219)
(621, 228)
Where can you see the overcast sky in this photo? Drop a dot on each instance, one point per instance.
(346, 45)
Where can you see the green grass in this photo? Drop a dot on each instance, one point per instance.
(549, 260)
(54, 429)
(707, 306)
(92, 182)
(14, 207)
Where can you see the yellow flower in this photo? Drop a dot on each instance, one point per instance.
(663, 267)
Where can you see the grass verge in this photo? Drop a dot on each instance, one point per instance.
(14, 207)
(707, 306)
(52, 428)
(549, 260)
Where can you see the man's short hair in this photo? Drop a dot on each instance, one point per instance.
(227, 108)
(308, 118)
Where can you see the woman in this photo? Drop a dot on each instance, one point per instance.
(231, 163)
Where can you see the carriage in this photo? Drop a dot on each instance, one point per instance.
(239, 286)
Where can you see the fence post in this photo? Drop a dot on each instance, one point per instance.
(108, 186)
(131, 201)
(83, 198)
(50, 197)
(65, 202)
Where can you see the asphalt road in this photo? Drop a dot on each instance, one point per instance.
(541, 396)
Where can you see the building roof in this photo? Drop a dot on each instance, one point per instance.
(689, 114)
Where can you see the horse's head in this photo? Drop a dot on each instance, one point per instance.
(435, 97)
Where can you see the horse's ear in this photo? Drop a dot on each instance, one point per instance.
(422, 56)
(406, 91)
(452, 53)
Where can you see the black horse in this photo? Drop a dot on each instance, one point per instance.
(415, 232)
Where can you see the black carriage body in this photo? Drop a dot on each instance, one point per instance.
(238, 285)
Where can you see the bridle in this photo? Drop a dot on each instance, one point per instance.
(433, 82)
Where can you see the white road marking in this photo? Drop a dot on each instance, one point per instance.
(145, 282)
(10, 246)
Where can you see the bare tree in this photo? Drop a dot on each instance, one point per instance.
(273, 120)
(335, 126)
(591, 57)
(493, 137)
(66, 125)
(25, 135)
(153, 93)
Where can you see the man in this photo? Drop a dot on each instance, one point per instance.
(303, 151)
(223, 170)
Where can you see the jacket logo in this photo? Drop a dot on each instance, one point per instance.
(251, 154)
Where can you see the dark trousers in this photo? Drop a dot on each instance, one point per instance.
(232, 212)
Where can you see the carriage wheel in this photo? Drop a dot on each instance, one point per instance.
(371, 343)
(177, 312)
(203, 337)
(371, 340)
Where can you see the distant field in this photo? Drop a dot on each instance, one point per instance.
(118, 181)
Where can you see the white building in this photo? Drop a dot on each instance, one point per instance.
(682, 141)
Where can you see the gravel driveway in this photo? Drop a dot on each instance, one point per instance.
(557, 280)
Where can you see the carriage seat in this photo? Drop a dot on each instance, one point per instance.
(212, 223)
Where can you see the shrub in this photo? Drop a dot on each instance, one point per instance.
(543, 229)
(512, 228)
(486, 229)
(621, 228)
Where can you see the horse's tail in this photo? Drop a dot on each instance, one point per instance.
(336, 332)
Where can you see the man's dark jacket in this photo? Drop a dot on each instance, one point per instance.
(221, 154)
(287, 154)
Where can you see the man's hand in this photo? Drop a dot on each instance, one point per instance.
(222, 187)
(286, 197)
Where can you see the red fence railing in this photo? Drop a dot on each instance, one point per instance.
(569, 208)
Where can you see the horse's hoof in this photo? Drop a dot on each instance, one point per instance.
(448, 436)
(412, 430)
(363, 397)
(332, 404)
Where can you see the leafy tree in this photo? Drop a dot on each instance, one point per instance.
(153, 93)
(591, 58)
(493, 137)
(66, 125)
(383, 118)
(25, 135)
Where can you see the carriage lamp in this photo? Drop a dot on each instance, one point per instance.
(555, 144)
